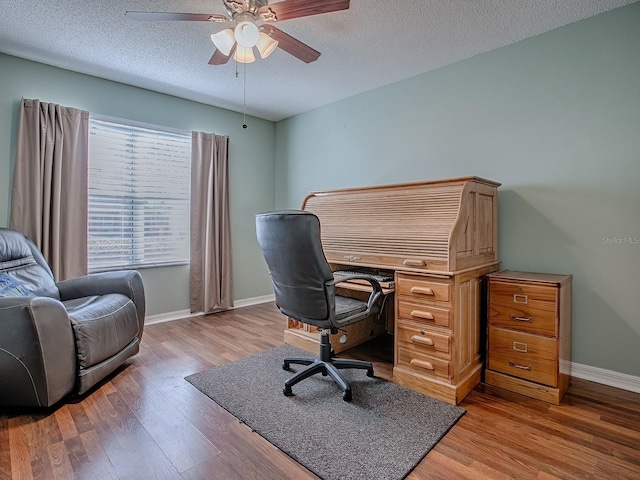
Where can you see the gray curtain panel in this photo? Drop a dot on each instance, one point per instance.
(211, 282)
(49, 191)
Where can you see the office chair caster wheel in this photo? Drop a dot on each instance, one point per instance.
(287, 391)
(286, 366)
(347, 396)
(369, 372)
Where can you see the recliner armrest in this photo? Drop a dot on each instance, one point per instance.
(37, 351)
(126, 282)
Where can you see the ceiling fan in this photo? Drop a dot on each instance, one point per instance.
(254, 27)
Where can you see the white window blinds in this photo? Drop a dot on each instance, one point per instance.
(139, 181)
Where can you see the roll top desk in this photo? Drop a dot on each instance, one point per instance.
(437, 240)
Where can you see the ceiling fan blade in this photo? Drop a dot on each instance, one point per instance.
(219, 58)
(188, 17)
(289, 9)
(291, 45)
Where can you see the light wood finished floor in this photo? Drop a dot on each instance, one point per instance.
(147, 422)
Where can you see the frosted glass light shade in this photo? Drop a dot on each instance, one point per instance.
(266, 45)
(246, 34)
(224, 41)
(244, 55)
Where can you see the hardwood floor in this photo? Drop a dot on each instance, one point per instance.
(147, 422)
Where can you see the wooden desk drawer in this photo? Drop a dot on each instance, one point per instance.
(530, 308)
(417, 336)
(523, 355)
(421, 363)
(423, 289)
(426, 314)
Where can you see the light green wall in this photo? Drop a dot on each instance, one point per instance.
(251, 155)
(555, 118)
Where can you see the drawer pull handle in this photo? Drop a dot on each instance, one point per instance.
(521, 299)
(520, 347)
(423, 340)
(423, 315)
(413, 263)
(421, 291)
(422, 363)
(519, 319)
(521, 367)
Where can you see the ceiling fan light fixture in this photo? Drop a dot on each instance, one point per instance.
(224, 41)
(244, 55)
(246, 34)
(266, 45)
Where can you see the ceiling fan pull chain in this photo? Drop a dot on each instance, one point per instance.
(244, 95)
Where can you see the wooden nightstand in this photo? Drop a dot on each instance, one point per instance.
(529, 333)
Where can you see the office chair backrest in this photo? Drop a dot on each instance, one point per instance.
(291, 245)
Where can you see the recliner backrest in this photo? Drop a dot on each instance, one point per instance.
(291, 245)
(21, 260)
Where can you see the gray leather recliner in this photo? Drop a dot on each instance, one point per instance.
(61, 338)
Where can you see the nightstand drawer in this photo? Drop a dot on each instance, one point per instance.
(421, 289)
(532, 357)
(424, 313)
(421, 338)
(530, 308)
(421, 363)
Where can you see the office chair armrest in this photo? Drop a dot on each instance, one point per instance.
(376, 289)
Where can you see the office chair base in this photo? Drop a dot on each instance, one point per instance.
(326, 365)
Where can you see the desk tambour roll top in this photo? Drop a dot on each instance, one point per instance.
(440, 240)
(439, 226)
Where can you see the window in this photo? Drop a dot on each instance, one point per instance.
(139, 180)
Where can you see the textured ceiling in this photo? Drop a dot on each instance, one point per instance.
(374, 43)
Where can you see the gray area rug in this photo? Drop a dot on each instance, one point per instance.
(382, 434)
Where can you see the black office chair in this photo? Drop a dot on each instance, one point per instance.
(305, 290)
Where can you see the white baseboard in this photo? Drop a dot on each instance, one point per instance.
(170, 316)
(606, 377)
(247, 302)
